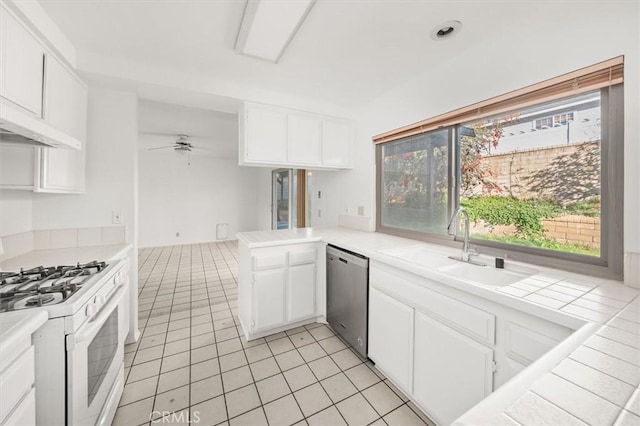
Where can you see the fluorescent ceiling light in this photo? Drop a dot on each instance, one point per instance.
(268, 26)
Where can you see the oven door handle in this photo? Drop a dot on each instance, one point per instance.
(92, 325)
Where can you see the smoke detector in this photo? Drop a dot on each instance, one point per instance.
(446, 30)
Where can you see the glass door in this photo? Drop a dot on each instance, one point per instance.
(282, 184)
(291, 199)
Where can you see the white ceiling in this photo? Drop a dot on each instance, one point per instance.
(346, 52)
(212, 133)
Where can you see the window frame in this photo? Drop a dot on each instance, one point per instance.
(610, 262)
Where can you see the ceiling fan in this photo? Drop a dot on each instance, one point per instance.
(181, 145)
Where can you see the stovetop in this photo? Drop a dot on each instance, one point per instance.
(44, 286)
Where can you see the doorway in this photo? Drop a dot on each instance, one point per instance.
(291, 198)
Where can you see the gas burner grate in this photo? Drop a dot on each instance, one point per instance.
(41, 285)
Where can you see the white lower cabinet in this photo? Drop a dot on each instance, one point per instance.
(451, 372)
(391, 337)
(278, 287)
(25, 412)
(446, 349)
(17, 389)
(267, 287)
(301, 292)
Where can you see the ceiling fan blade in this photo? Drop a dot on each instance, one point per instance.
(162, 147)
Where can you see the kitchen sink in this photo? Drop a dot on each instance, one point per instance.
(488, 275)
(421, 256)
(441, 262)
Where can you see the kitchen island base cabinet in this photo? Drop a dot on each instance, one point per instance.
(451, 371)
(391, 337)
(278, 287)
(301, 288)
(267, 286)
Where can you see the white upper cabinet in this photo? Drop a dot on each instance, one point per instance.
(65, 107)
(61, 170)
(278, 137)
(17, 167)
(21, 65)
(65, 99)
(336, 141)
(266, 135)
(305, 145)
(33, 78)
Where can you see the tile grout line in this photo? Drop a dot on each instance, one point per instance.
(132, 365)
(221, 257)
(224, 398)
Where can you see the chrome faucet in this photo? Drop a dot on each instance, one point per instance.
(467, 250)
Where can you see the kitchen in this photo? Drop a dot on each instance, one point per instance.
(152, 71)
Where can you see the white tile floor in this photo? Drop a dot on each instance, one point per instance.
(191, 365)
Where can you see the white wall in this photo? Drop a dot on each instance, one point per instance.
(111, 160)
(15, 212)
(519, 58)
(264, 199)
(192, 199)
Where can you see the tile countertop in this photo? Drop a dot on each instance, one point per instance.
(14, 326)
(65, 256)
(593, 377)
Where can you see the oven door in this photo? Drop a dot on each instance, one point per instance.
(95, 360)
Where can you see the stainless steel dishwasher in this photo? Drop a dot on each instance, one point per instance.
(348, 296)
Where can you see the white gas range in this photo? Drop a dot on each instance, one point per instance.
(79, 351)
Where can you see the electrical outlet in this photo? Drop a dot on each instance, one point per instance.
(360, 210)
(319, 194)
(177, 234)
(116, 217)
(319, 213)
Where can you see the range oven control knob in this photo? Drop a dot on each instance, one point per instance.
(98, 300)
(91, 309)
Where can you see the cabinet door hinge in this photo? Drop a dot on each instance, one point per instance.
(494, 367)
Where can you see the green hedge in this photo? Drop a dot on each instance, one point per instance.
(526, 215)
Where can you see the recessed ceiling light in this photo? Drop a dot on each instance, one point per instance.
(446, 30)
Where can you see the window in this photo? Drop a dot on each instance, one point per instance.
(554, 121)
(562, 119)
(537, 189)
(415, 183)
(544, 123)
(551, 196)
